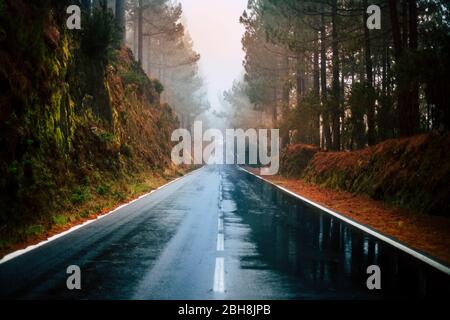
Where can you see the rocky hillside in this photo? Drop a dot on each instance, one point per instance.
(79, 120)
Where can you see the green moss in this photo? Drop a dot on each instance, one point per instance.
(106, 137)
(66, 53)
(59, 220)
(141, 188)
(59, 136)
(158, 86)
(35, 229)
(132, 77)
(118, 195)
(103, 190)
(80, 195)
(13, 168)
(57, 164)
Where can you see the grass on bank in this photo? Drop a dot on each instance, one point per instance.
(85, 203)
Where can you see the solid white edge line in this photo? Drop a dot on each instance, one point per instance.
(20, 252)
(374, 233)
(219, 277)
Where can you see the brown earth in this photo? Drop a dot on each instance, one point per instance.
(412, 173)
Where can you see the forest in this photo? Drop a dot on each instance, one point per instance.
(86, 115)
(160, 41)
(314, 69)
(297, 150)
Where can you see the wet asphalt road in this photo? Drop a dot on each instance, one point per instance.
(219, 233)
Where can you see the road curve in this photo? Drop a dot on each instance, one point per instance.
(219, 233)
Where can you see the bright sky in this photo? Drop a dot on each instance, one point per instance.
(215, 29)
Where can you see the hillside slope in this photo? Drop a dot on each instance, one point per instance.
(79, 130)
(412, 172)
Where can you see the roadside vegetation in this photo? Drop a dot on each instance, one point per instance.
(82, 127)
(412, 173)
(364, 110)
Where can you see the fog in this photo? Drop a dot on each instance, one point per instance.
(217, 37)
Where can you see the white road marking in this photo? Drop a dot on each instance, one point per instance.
(220, 242)
(220, 225)
(374, 233)
(219, 279)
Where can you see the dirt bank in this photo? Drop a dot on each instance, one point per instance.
(412, 173)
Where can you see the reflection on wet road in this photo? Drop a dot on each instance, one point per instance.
(290, 249)
(219, 233)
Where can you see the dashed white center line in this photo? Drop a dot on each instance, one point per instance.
(220, 242)
(219, 281)
(219, 272)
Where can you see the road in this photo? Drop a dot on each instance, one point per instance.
(219, 233)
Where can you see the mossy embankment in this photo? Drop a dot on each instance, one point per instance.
(81, 125)
(412, 173)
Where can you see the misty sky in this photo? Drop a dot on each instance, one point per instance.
(216, 32)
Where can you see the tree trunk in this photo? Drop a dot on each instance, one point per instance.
(395, 24)
(336, 83)
(100, 4)
(342, 104)
(300, 79)
(316, 72)
(383, 128)
(316, 90)
(414, 90)
(120, 18)
(384, 73)
(140, 32)
(274, 107)
(135, 36)
(286, 100)
(398, 51)
(323, 81)
(404, 23)
(408, 91)
(369, 79)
